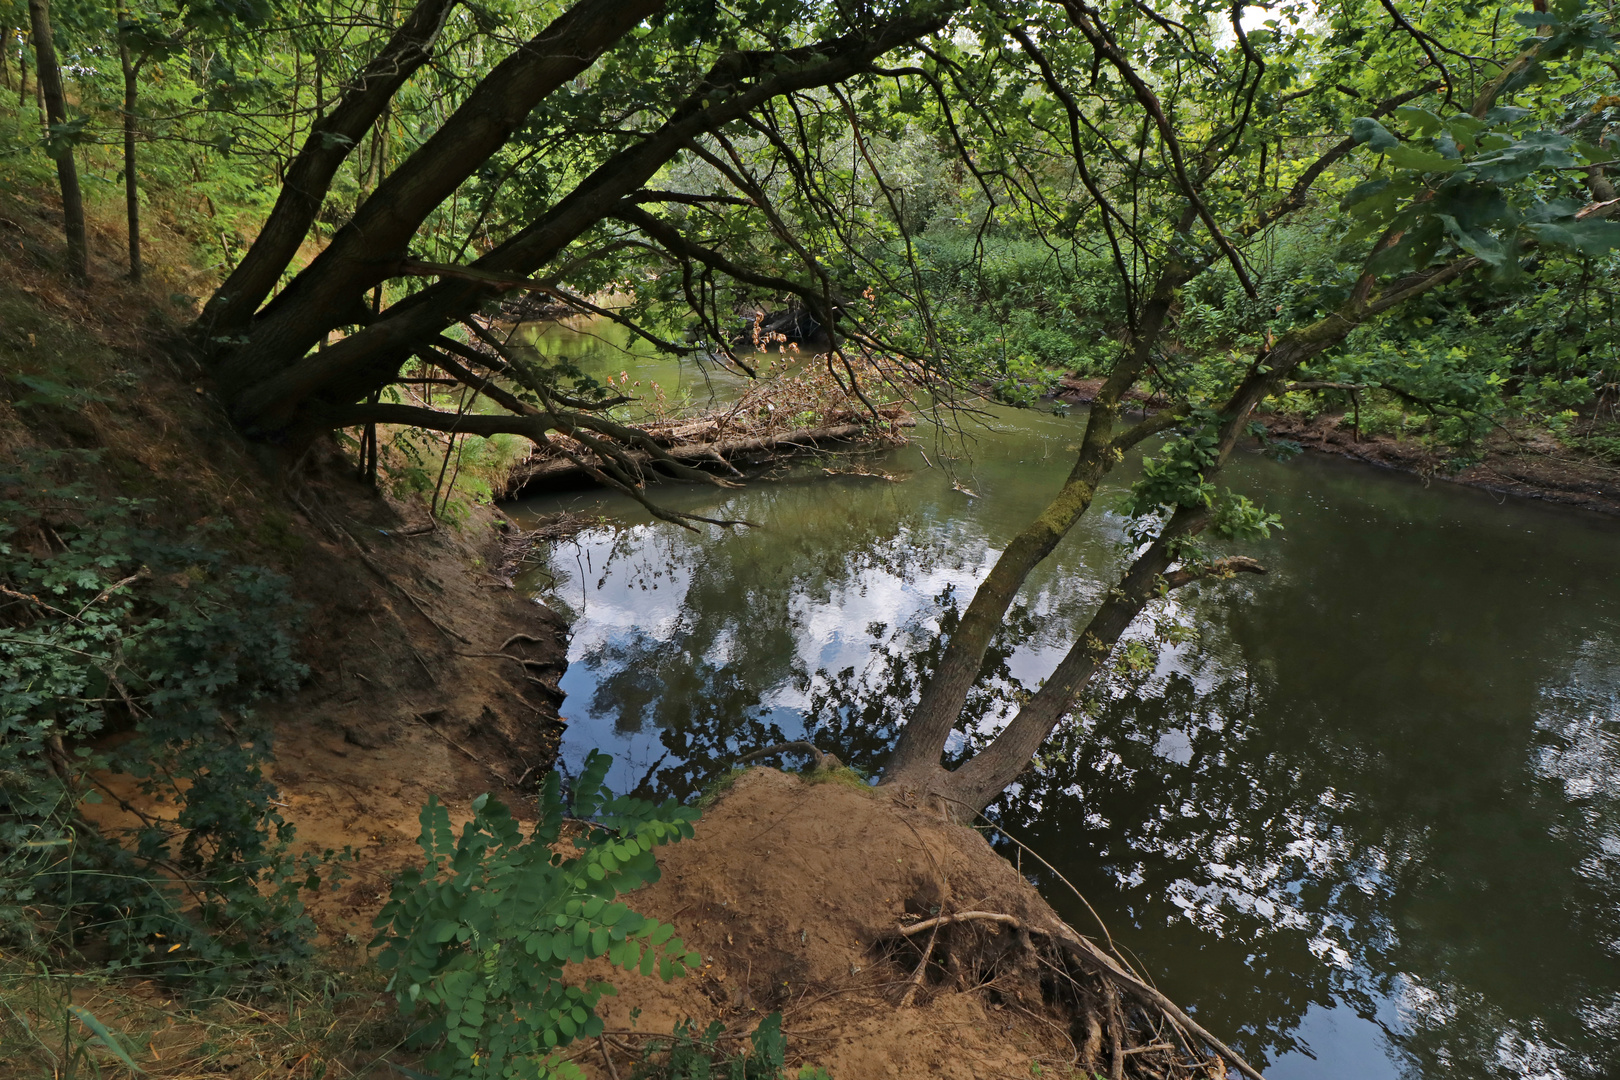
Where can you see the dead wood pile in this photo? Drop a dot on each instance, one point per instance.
(726, 440)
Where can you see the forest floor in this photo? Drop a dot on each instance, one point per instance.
(1516, 460)
(430, 675)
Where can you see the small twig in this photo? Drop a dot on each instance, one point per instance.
(1116, 1033)
(109, 590)
(922, 966)
(38, 601)
(964, 916)
(601, 1044)
(1151, 1047)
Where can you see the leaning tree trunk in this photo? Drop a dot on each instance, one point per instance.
(967, 790)
(50, 85)
(330, 291)
(276, 388)
(331, 139)
(915, 761)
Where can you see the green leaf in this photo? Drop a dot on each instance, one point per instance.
(1478, 243)
(108, 1039)
(1423, 121)
(1366, 130)
(1586, 237)
(1407, 156)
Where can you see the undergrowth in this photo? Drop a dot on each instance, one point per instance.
(696, 1055)
(478, 942)
(130, 662)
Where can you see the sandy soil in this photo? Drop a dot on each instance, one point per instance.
(794, 892)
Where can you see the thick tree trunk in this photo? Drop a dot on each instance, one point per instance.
(331, 139)
(50, 85)
(329, 292)
(276, 385)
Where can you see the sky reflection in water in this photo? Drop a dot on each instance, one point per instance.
(1370, 818)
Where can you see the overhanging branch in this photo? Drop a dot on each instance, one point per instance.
(1220, 568)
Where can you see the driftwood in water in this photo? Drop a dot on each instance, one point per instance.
(718, 440)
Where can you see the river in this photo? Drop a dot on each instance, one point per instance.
(1366, 819)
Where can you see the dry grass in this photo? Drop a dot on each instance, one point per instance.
(324, 1024)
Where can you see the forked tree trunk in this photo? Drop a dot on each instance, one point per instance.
(915, 761)
(50, 85)
(967, 790)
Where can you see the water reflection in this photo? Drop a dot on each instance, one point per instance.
(1372, 814)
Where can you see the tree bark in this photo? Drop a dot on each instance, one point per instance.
(274, 377)
(331, 139)
(50, 84)
(132, 191)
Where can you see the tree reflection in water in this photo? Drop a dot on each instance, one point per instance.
(1369, 785)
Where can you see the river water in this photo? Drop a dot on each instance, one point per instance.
(1365, 819)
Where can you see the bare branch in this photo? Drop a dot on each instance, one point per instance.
(1220, 568)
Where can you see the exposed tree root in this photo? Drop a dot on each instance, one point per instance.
(1112, 978)
(819, 758)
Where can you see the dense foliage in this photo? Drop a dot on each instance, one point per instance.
(130, 662)
(477, 941)
(1406, 209)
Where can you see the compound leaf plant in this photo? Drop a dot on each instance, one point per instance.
(478, 940)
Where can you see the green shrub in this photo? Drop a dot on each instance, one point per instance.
(694, 1055)
(477, 943)
(110, 626)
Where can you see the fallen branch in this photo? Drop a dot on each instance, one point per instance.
(821, 758)
(544, 469)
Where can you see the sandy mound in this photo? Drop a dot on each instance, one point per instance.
(794, 893)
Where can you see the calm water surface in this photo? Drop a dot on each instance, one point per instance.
(1367, 819)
